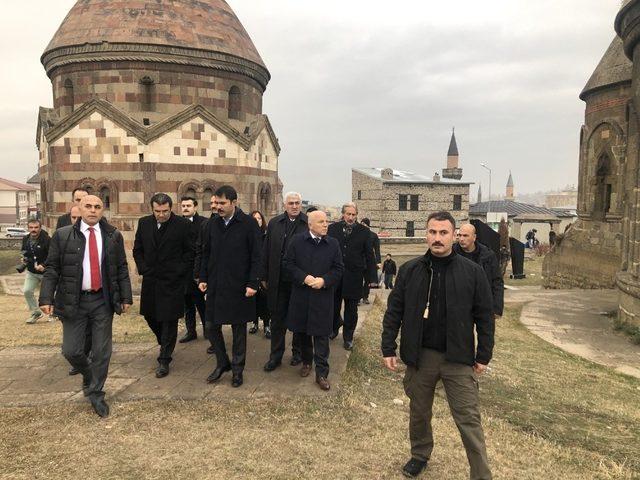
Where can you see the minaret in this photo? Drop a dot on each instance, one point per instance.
(452, 171)
(509, 195)
(479, 193)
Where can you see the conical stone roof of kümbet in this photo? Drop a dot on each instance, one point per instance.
(614, 68)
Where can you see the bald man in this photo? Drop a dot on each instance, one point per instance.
(86, 281)
(314, 263)
(469, 247)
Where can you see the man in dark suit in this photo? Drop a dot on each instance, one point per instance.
(357, 255)
(314, 263)
(229, 275)
(86, 281)
(76, 195)
(163, 251)
(375, 240)
(194, 298)
(276, 281)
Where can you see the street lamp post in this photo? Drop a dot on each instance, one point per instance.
(489, 206)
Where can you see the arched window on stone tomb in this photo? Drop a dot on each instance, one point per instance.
(68, 93)
(235, 103)
(105, 196)
(603, 188)
(146, 98)
(264, 198)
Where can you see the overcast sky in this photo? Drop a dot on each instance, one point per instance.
(360, 83)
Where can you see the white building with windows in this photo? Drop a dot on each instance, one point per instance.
(18, 202)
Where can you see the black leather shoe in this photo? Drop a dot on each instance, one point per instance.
(162, 370)
(271, 365)
(267, 332)
(236, 381)
(74, 371)
(413, 468)
(189, 336)
(348, 345)
(335, 332)
(253, 329)
(295, 361)
(86, 382)
(100, 407)
(217, 373)
(211, 350)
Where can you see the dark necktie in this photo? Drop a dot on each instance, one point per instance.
(96, 280)
(317, 239)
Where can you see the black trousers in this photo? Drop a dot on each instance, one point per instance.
(315, 350)
(166, 333)
(279, 325)
(95, 316)
(366, 289)
(238, 348)
(350, 315)
(388, 281)
(194, 301)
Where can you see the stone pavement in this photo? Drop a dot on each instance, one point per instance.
(39, 375)
(578, 321)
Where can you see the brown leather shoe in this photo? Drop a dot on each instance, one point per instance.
(323, 383)
(305, 370)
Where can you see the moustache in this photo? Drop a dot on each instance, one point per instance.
(437, 244)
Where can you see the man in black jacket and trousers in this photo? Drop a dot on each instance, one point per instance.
(375, 240)
(35, 248)
(163, 251)
(437, 302)
(76, 195)
(87, 272)
(276, 280)
(314, 264)
(470, 248)
(231, 249)
(194, 298)
(359, 262)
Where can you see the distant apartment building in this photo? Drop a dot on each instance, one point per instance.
(18, 201)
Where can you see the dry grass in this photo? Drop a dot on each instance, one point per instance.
(14, 332)
(8, 261)
(345, 435)
(532, 269)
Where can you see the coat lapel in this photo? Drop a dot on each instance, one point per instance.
(169, 229)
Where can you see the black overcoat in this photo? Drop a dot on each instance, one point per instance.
(195, 228)
(166, 265)
(310, 310)
(230, 263)
(272, 253)
(357, 256)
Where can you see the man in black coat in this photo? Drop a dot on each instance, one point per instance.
(229, 275)
(375, 240)
(389, 270)
(359, 262)
(163, 251)
(438, 301)
(76, 195)
(470, 248)
(86, 281)
(35, 248)
(194, 298)
(276, 280)
(314, 263)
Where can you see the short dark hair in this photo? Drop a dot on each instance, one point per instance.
(263, 227)
(441, 216)
(389, 255)
(34, 220)
(161, 199)
(228, 192)
(366, 221)
(312, 208)
(187, 198)
(78, 189)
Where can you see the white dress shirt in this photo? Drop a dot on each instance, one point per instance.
(86, 261)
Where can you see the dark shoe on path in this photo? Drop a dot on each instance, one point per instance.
(271, 365)
(74, 371)
(217, 373)
(413, 468)
(211, 350)
(236, 380)
(323, 383)
(348, 345)
(162, 370)
(254, 328)
(100, 407)
(305, 370)
(188, 337)
(267, 332)
(295, 361)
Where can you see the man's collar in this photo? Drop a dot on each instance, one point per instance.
(85, 226)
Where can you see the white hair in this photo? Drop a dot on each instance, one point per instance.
(292, 194)
(348, 205)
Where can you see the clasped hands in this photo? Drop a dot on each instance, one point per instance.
(249, 292)
(314, 282)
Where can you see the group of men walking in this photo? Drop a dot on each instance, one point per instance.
(443, 304)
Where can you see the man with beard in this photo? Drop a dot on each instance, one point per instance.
(440, 302)
(86, 281)
(359, 262)
(277, 280)
(35, 248)
(163, 251)
(194, 298)
(229, 276)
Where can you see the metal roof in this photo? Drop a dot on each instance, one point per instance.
(401, 176)
(510, 207)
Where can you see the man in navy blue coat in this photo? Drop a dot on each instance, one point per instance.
(314, 262)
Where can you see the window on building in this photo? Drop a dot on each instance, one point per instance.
(147, 85)
(264, 199)
(68, 93)
(603, 188)
(457, 202)
(414, 202)
(402, 202)
(190, 192)
(359, 194)
(607, 198)
(235, 103)
(23, 214)
(105, 196)
(410, 230)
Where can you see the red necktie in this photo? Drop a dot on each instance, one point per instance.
(96, 280)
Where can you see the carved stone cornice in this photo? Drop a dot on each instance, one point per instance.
(114, 52)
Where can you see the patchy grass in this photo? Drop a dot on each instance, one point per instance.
(545, 413)
(632, 331)
(15, 332)
(532, 269)
(8, 261)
